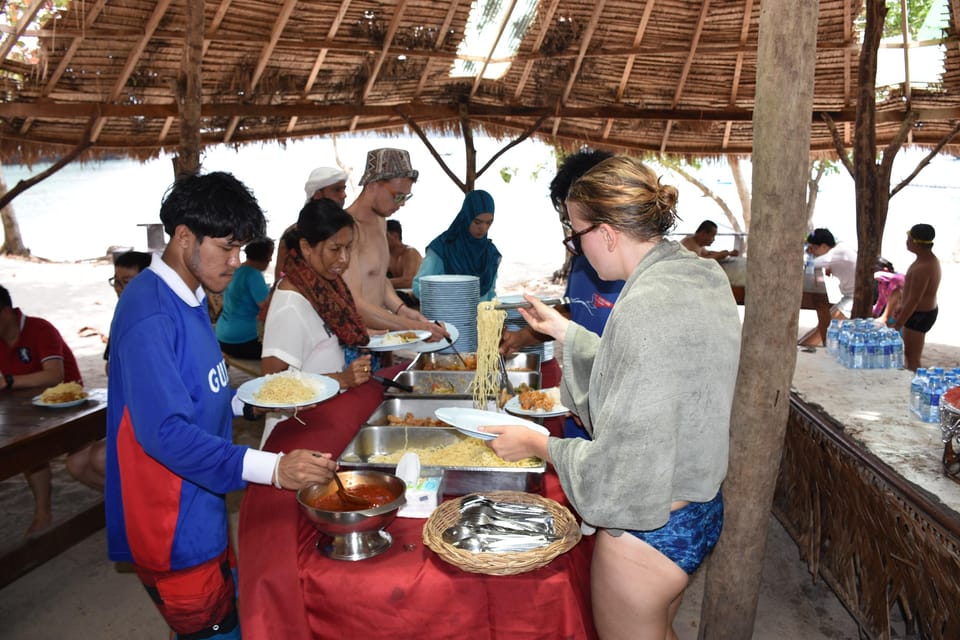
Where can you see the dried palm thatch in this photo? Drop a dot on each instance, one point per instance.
(669, 76)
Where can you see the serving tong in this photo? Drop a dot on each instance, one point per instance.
(550, 302)
(450, 345)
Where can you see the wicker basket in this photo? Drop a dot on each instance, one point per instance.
(501, 564)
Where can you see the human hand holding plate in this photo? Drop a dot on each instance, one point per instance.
(470, 421)
(393, 340)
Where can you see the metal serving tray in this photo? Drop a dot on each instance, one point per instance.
(420, 407)
(460, 481)
(423, 382)
(445, 362)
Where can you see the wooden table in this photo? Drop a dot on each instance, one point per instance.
(30, 436)
(862, 491)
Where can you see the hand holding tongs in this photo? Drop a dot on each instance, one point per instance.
(550, 302)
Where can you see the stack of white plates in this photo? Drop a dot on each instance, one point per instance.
(515, 322)
(453, 299)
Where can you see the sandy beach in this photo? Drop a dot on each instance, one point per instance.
(98, 602)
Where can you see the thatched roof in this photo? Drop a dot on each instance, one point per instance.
(668, 76)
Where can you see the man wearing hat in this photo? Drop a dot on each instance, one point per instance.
(918, 303)
(387, 181)
(323, 182)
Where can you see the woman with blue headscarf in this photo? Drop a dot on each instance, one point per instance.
(464, 249)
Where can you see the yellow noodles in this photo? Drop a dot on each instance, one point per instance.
(489, 327)
(468, 452)
(63, 392)
(285, 390)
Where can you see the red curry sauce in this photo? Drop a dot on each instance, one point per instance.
(375, 495)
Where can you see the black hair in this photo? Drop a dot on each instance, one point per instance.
(393, 226)
(5, 300)
(319, 220)
(923, 233)
(259, 249)
(707, 225)
(885, 265)
(821, 236)
(572, 167)
(133, 260)
(215, 205)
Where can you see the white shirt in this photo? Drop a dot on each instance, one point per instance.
(842, 262)
(295, 333)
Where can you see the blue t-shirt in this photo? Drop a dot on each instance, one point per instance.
(170, 451)
(591, 301)
(241, 304)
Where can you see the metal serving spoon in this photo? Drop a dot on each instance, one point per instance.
(349, 498)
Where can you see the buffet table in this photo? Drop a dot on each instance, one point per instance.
(288, 589)
(862, 491)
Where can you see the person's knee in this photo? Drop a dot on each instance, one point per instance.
(77, 463)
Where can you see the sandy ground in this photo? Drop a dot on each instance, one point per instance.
(81, 591)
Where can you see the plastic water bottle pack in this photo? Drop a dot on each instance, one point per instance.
(862, 344)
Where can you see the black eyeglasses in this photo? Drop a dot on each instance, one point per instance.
(574, 240)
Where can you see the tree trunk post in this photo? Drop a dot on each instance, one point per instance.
(189, 87)
(781, 148)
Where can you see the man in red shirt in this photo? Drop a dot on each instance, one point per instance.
(33, 354)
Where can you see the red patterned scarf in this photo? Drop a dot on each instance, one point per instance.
(331, 299)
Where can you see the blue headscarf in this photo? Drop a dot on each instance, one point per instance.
(462, 254)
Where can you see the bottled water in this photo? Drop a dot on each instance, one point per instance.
(896, 343)
(872, 350)
(858, 350)
(916, 390)
(935, 388)
(833, 337)
(843, 342)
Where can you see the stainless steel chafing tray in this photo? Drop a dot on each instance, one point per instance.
(423, 382)
(420, 407)
(446, 362)
(460, 481)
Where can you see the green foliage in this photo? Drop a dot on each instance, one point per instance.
(917, 11)
(507, 173)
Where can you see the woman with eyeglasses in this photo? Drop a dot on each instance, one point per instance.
(655, 393)
(311, 321)
(464, 248)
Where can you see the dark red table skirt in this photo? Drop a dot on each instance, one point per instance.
(288, 589)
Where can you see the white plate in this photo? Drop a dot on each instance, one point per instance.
(513, 406)
(427, 347)
(37, 402)
(467, 421)
(325, 387)
(377, 342)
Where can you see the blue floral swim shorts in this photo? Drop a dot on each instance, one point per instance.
(690, 534)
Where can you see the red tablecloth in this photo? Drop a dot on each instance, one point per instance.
(288, 589)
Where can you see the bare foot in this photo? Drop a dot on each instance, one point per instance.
(41, 522)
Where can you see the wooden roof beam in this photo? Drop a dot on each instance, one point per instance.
(578, 62)
(738, 67)
(67, 58)
(158, 12)
(697, 32)
(441, 38)
(387, 41)
(278, 26)
(321, 57)
(23, 22)
(537, 43)
(631, 59)
(493, 47)
(61, 110)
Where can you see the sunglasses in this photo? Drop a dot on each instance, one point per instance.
(574, 240)
(398, 198)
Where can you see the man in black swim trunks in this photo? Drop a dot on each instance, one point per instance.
(918, 304)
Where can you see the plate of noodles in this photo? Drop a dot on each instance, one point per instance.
(288, 390)
(61, 396)
(427, 347)
(539, 404)
(467, 421)
(393, 340)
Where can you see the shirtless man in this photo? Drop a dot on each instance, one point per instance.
(918, 302)
(404, 259)
(387, 181)
(702, 238)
